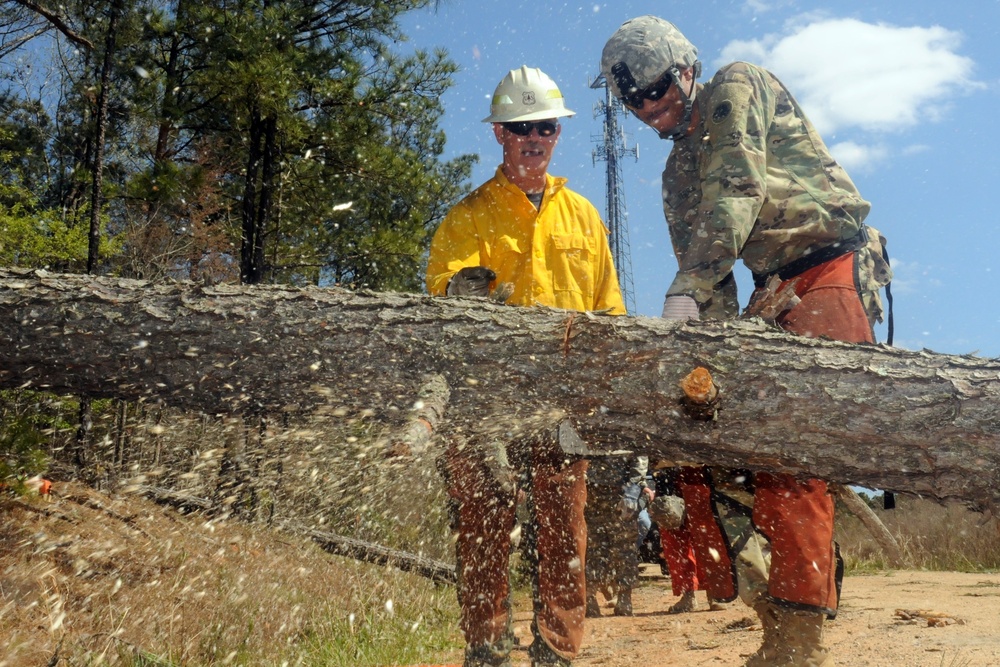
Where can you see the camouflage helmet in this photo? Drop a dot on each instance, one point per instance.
(526, 94)
(641, 51)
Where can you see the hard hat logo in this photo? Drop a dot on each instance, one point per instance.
(526, 94)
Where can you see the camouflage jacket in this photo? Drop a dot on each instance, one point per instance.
(753, 180)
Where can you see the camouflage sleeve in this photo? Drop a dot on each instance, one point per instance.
(873, 273)
(739, 110)
(455, 245)
(725, 302)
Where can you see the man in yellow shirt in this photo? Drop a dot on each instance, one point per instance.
(525, 228)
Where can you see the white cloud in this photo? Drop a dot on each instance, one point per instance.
(855, 156)
(915, 149)
(912, 277)
(850, 74)
(764, 6)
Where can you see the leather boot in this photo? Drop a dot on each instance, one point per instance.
(803, 634)
(593, 608)
(542, 655)
(496, 661)
(791, 639)
(715, 605)
(493, 654)
(769, 644)
(623, 604)
(684, 605)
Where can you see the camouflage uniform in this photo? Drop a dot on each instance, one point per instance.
(612, 552)
(749, 177)
(754, 180)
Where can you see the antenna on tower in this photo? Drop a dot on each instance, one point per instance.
(611, 148)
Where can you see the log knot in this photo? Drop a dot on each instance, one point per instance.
(701, 395)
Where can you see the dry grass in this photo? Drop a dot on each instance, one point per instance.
(99, 580)
(115, 579)
(95, 579)
(931, 536)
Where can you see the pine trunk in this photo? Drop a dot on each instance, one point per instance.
(884, 418)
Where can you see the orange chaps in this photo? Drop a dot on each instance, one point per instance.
(711, 549)
(678, 551)
(484, 518)
(797, 515)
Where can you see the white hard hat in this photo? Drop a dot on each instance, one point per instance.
(526, 94)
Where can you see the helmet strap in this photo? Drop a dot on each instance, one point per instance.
(680, 130)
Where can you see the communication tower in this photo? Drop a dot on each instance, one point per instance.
(611, 148)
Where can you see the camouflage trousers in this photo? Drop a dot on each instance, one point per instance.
(612, 555)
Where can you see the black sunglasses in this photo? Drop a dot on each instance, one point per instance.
(634, 98)
(522, 128)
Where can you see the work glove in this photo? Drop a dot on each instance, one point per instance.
(471, 281)
(667, 512)
(628, 506)
(502, 292)
(680, 307)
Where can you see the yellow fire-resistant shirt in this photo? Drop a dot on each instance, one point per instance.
(557, 256)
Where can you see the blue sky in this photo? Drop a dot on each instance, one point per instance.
(906, 94)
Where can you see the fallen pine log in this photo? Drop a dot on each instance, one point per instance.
(369, 552)
(910, 421)
(177, 499)
(435, 570)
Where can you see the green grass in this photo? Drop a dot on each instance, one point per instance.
(381, 639)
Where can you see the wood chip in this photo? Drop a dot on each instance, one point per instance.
(934, 619)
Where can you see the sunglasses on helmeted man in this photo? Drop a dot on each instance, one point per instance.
(522, 128)
(634, 98)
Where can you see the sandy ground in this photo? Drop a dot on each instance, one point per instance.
(961, 630)
(91, 540)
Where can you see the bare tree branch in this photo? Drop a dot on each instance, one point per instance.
(57, 22)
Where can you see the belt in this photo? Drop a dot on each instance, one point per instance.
(802, 264)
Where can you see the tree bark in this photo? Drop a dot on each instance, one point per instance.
(100, 134)
(252, 242)
(435, 570)
(884, 418)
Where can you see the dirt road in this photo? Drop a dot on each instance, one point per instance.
(961, 630)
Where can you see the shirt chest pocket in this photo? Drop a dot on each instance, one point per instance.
(572, 262)
(503, 246)
(508, 258)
